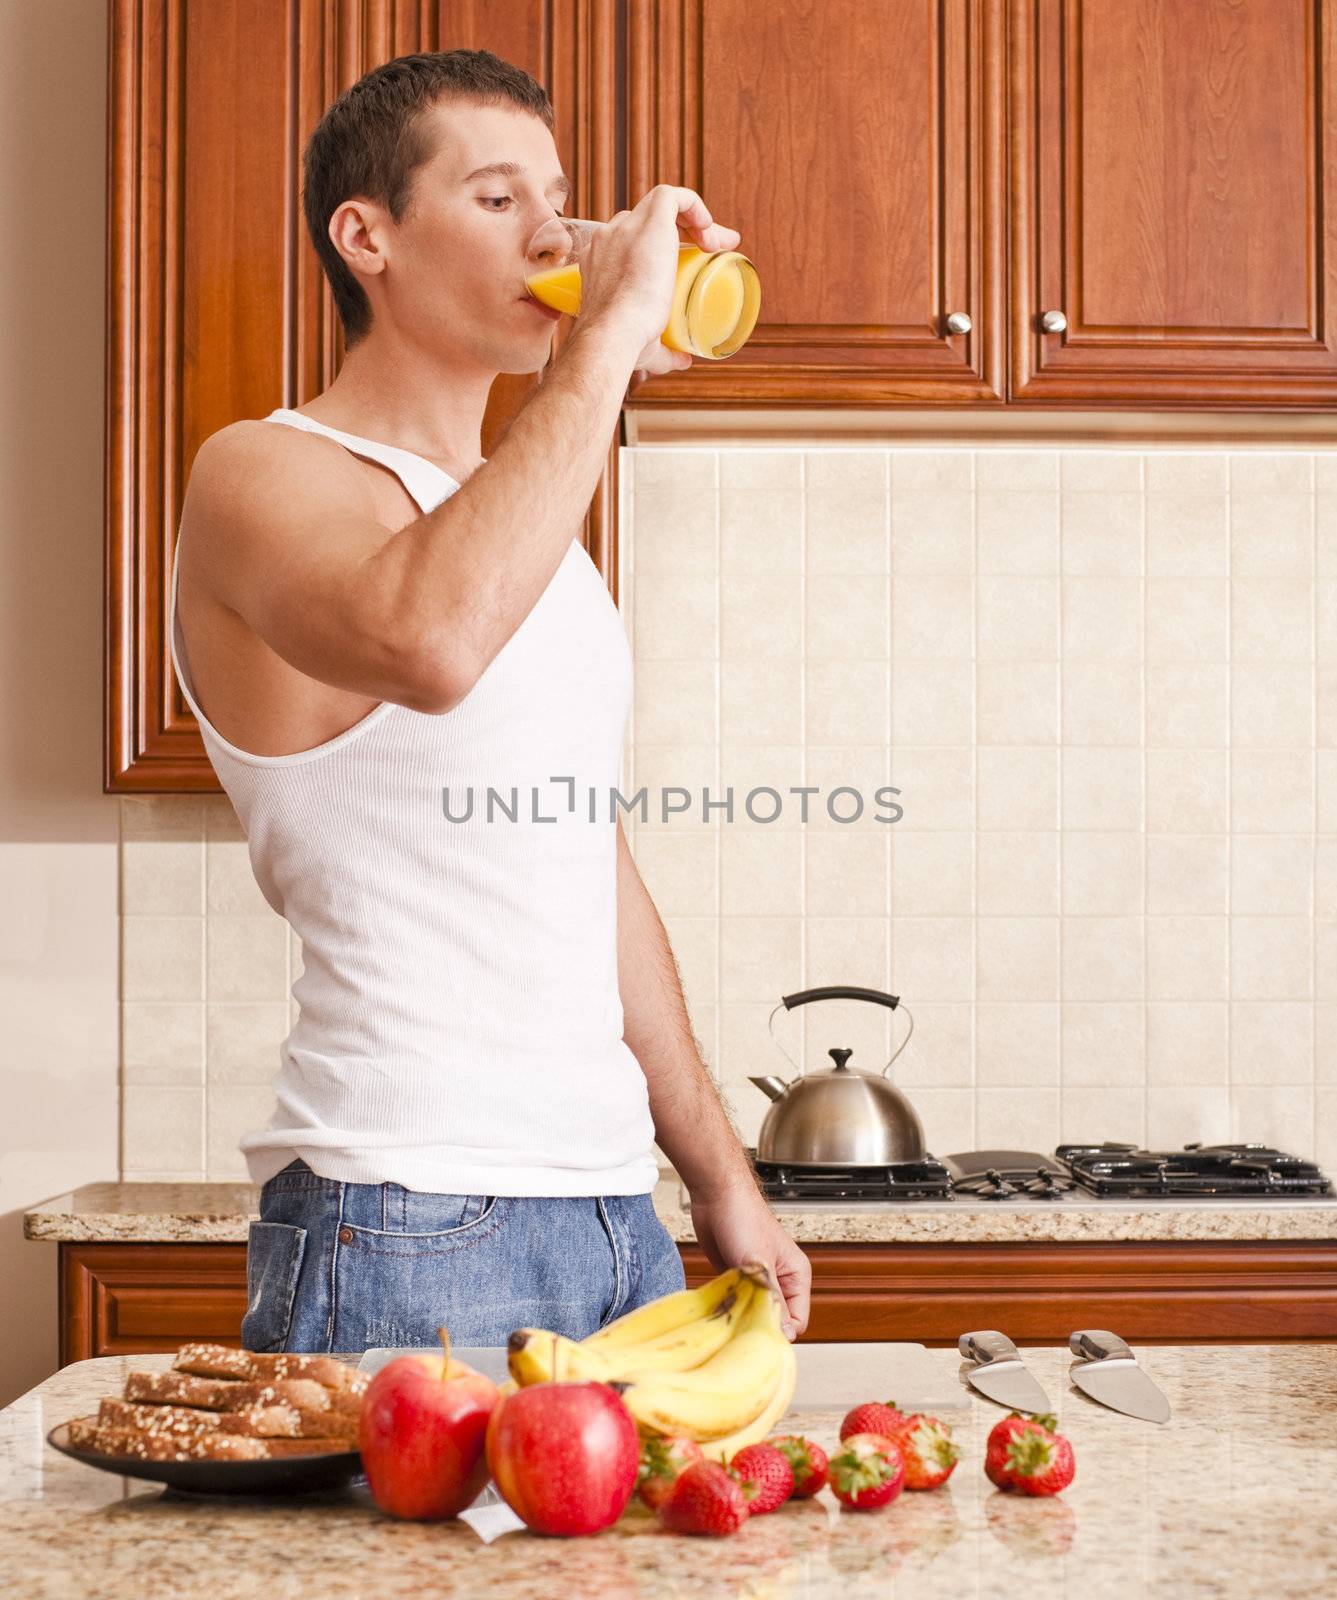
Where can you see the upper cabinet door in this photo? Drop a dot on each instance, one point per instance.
(856, 145)
(1174, 225)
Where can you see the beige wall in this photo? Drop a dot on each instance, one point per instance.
(58, 852)
(1105, 682)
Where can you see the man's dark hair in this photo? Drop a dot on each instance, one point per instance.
(373, 139)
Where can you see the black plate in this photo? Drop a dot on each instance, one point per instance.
(330, 1469)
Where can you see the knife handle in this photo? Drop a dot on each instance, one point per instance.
(987, 1344)
(1096, 1344)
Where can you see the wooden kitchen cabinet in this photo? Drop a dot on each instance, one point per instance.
(217, 308)
(1173, 203)
(124, 1299)
(857, 146)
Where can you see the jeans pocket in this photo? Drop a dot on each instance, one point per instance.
(417, 1230)
(274, 1252)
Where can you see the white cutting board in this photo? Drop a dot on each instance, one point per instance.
(831, 1377)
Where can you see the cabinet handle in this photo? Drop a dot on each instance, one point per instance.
(1053, 322)
(959, 322)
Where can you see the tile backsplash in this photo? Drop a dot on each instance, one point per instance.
(1104, 683)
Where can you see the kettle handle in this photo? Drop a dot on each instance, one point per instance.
(838, 991)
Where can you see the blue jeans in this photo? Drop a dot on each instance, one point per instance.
(351, 1266)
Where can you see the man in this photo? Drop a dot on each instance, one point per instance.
(368, 617)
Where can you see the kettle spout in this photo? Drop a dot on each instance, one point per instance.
(774, 1088)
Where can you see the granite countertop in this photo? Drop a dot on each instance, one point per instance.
(218, 1213)
(1236, 1497)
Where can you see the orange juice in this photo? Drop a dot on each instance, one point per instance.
(716, 300)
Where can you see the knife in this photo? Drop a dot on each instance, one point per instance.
(1107, 1370)
(998, 1373)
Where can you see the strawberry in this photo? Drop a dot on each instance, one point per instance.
(930, 1455)
(1025, 1455)
(705, 1499)
(766, 1476)
(808, 1461)
(662, 1460)
(869, 1471)
(874, 1417)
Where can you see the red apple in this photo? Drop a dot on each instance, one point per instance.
(564, 1456)
(422, 1433)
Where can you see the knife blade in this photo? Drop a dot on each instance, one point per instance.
(997, 1371)
(1108, 1372)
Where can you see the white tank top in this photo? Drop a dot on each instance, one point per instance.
(460, 1026)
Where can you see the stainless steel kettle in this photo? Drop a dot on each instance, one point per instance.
(842, 1116)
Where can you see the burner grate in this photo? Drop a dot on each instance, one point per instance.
(903, 1180)
(1222, 1170)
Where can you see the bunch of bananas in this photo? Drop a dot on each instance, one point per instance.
(710, 1364)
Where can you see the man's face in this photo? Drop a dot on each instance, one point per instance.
(456, 264)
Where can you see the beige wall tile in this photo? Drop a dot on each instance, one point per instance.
(932, 874)
(760, 872)
(162, 958)
(1102, 619)
(846, 702)
(676, 617)
(845, 871)
(1188, 791)
(1283, 1118)
(863, 768)
(674, 496)
(1271, 1041)
(1017, 958)
(1017, 1119)
(1104, 958)
(1017, 702)
(845, 621)
(247, 958)
(162, 1043)
(1002, 470)
(948, 1119)
(1271, 958)
(1188, 619)
(761, 614)
(162, 877)
(851, 950)
(932, 532)
(1187, 958)
(1188, 1042)
(1016, 1044)
(1102, 530)
(1018, 618)
(244, 1040)
(848, 521)
(1272, 873)
(162, 816)
(1188, 1115)
(233, 1112)
(1188, 703)
(679, 870)
(1325, 529)
(1102, 874)
(1102, 788)
(676, 701)
(1018, 874)
(1272, 534)
(162, 1129)
(932, 701)
(941, 1048)
(1102, 472)
(1271, 705)
(1091, 1114)
(761, 702)
(1188, 873)
(933, 958)
(689, 766)
(1018, 787)
(1187, 472)
(938, 787)
(1188, 535)
(1103, 1042)
(1102, 702)
(761, 958)
(1271, 472)
(933, 617)
(231, 886)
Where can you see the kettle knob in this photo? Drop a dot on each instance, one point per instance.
(840, 1057)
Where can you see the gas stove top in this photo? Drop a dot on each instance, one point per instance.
(1074, 1173)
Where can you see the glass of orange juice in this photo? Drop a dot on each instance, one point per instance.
(716, 298)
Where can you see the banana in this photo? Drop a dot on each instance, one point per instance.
(724, 1449)
(534, 1355)
(724, 1394)
(669, 1312)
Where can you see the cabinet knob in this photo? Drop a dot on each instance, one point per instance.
(959, 322)
(1053, 322)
